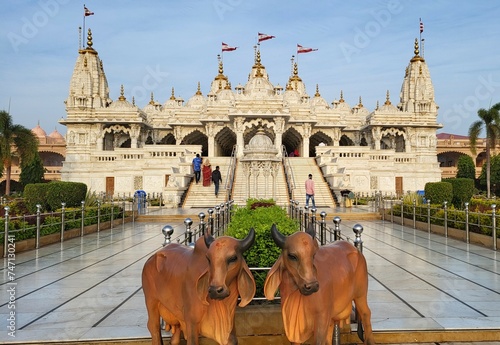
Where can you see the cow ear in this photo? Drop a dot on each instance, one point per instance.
(159, 259)
(246, 285)
(273, 280)
(311, 230)
(202, 287)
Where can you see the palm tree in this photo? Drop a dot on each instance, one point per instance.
(490, 122)
(16, 141)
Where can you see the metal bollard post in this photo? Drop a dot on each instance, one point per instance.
(222, 219)
(300, 219)
(313, 218)
(63, 215)
(211, 220)
(167, 232)
(98, 215)
(336, 232)
(133, 210)
(201, 215)
(6, 231)
(290, 209)
(414, 214)
(37, 239)
(112, 213)
(402, 212)
(83, 219)
(358, 242)
(445, 206)
(227, 215)
(123, 212)
(217, 221)
(188, 236)
(296, 210)
(392, 213)
(467, 235)
(429, 215)
(306, 217)
(494, 225)
(323, 228)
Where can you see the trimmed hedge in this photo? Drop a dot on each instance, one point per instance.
(463, 190)
(438, 192)
(50, 195)
(264, 251)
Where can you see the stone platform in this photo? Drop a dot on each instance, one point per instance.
(423, 288)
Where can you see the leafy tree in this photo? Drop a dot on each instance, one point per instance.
(16, 141)
(490, 122)
(494, 172)
(466, 167)
(32, 172)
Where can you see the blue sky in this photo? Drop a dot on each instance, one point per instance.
(154, 45)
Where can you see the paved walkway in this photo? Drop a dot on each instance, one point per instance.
(90, 288)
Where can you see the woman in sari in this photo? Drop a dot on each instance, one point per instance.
(206, 169)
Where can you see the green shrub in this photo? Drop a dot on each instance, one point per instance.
(264, 252)
(438, 192)
(72, 193)
(463, 190)
(34, 194)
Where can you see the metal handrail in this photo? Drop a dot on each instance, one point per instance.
(230, 174)
(289, 177)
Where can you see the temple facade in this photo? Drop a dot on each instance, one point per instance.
(115, 146)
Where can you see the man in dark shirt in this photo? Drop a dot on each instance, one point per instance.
(217, 178)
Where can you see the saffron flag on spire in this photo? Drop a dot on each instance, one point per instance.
(264, 37)
(301, 49)
(87, 12)
(227, 48)
(421, 26)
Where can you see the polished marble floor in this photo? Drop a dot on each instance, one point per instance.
(89, 288)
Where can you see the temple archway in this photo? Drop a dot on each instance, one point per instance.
(197, 138)
(224, 142)
(292, 140)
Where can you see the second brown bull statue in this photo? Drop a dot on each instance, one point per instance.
(317, 286)
(196, 290)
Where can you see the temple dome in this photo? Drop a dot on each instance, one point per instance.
(57, 137)
(39, 132)
(260, 140)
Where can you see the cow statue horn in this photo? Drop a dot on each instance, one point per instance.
(277, 236)
(311, 230)
(248, 240)
(208, 239)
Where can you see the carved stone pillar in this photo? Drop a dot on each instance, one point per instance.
(210, 128)
(239, 128)
(278, 130)
(377, 136)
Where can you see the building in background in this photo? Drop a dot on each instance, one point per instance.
(114, 146)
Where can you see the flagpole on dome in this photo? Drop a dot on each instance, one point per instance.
(421, 39)
(83, 24)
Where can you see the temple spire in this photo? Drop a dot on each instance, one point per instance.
(122, 93)
(172, 97)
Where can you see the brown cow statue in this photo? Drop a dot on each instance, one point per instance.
(196, 290)
(317, 286)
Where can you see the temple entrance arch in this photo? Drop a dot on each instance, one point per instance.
(394, 139)
(225, 139)
(318, 138)
(168, 139)
(346, 141)
(197, 138)
(116, 136)
(292, 140)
